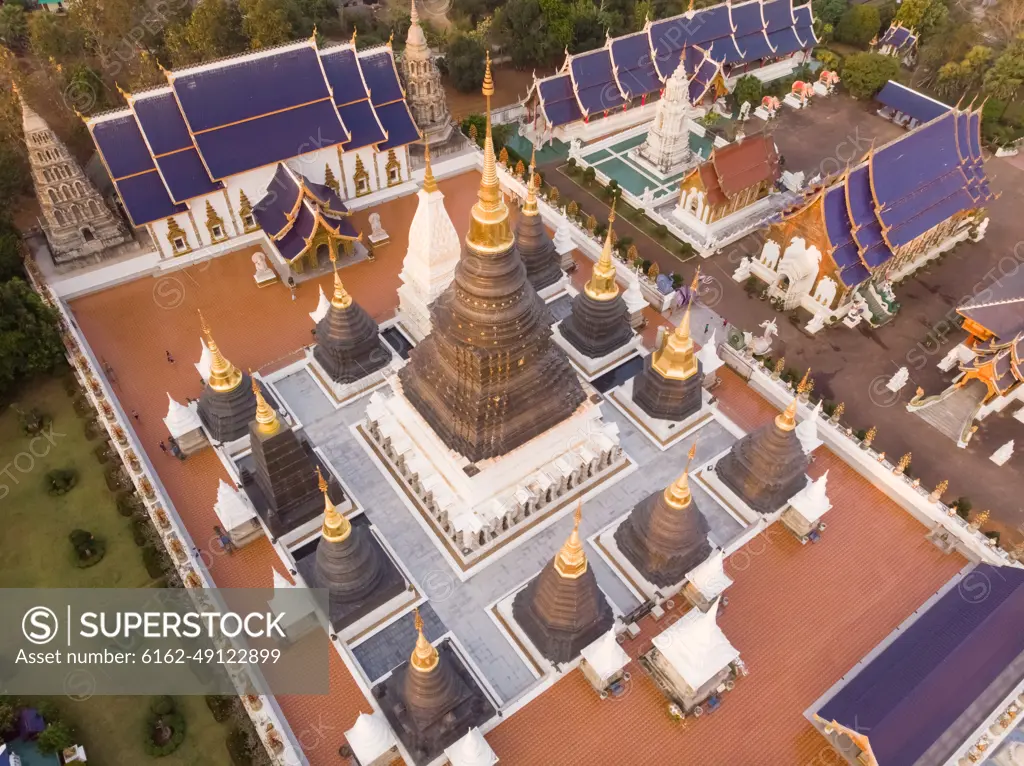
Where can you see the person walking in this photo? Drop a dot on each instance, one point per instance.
(169, 357)
(163, 448)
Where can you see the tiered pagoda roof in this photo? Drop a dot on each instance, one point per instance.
(896, 194)
(636, 65)
(215, 120)
(997, 363)
(999, 309)
(733, 169)
(902, 40)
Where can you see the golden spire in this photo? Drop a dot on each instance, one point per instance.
(341, 299)
(336, 527)
(803, 386)
(533, 159)
(266, 416)
(675, 359)
(530, 206)
(786, 421)
(677, 494)
(489, 230)
(601, 286)
(424, 656)
(352, 42)
(429, 184)
(224, 376)
(571, 561)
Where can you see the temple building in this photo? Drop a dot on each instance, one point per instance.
(731, 179)
(280, 474)
(943, 687)
(351, 565)
(423, 88)
(766, 468)
(487, 421)
(227, 403)
(77, 222)
(541, 259)
(348, 345)
(667, 146)
(837, 252)
(908, 107)
(898, 42)
(599, 323)
(429, 265)
(601, 91)
(562, 609)
(190, 160)
(665, 535)
(431, 700)
(670, 385)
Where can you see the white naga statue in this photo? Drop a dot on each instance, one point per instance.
(761, 346)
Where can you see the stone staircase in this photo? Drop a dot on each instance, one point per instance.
(952, 412)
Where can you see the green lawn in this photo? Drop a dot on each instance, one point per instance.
(37, 553)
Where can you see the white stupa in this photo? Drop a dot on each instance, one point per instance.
(371, 739)
(181, 420)
(709, 577)
(710, 361)
(563, 243)
(1003, 454)
(205, 361)
(696, 648)
(322, 307)
(471, 750)
(429, 265)
(635, 301)
(812, 501)
(807, 431)
(667, 147)
(605, 658)
(237, 517)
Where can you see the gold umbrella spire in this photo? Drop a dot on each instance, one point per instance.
(675, 359)
(224, 376)
(424, 656)
(786, 421)
(336, 527)
(489, 230)
(341, 299)
(803, 387)
(677, 494)
(429, 184)
(530, 205)
(266, 416)
(571, 561)
(602, 286)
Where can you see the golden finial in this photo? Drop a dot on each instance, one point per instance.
(530, 205)
(779, 365)
(904, 462)
(980, 519)
(424, 656)
(224, 376)
(312, 36)
(803, 387)
(677, 494)
(571, 561)
(689, 8)
(602, 286)
(489, 230)
(124, 94)
(839, 410)
(266, 416)
(533, 159)
(675, 359)
(939, 490)
(391, 39)
(336, 527)
(870, 435)
(694, 283)
(352, 42)
(341, 298)
(429, 184)
(786, 421)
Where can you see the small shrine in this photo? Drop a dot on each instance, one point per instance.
(604, 665)
(423, 89)
(471, 750)
(237, 517)
(185, 426)
(371, 740)
(707, 581)
(803, 516)
(898, 42)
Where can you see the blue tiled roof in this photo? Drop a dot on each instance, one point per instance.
(560, 105)
(121, 144)
(362, 124)
(837, 226)
(778, 14)
(399, 125)
(325, 195)
(343, 225)
(276, 137)
(899, 37)
(185, 175)
(914, 691)
(673, 35)
(381, 77)
(636, 73)
(724, 50)
(272, 210)
(747, 18)
(785, 41)
(145, 198)
(803, 15)
(711, 23)
(917, 105)
(705, 72)
(294, 240)
(250, 88)
(595, 81)
(858, 194)
(755, 46)
(853, 275)
(914, 160)
(344, 76)
(944, 208)
(162, 123)
(805, 33)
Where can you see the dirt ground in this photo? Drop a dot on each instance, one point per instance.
(510, 86)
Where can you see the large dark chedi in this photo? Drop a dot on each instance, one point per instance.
(488, 378)
(766, 467)
(535, 245)
(348, 346)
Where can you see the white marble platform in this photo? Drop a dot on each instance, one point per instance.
(591, 368)
(662, 433)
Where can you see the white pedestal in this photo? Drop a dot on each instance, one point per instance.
(591, 368)
(555, 291)
(265, 276)
(663, 433)
(341, 394)
(794, 101)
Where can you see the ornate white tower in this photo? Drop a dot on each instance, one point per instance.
(667, 147)
(77, 221)
(429, 266)
(423, 90)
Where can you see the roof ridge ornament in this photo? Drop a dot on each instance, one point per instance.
(429, 184)
(424, 655)
(336, 528)
(224, 376)
(266, 416)
(571, 561)
(677, 494)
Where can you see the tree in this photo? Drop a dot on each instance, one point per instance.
(266, 22)
(642, 10)
(11, 265)
(465, 57)
(13, 26)
(1006, 76)
(956, 77)
(522, 28)
(1007, 19)
(829, 59)
(8, 714)
(558, 19)
(588, 28)
(864, 74)
(50, 37)
(858, 25)
(922, 15)
(29, 341)
(215, 29)
(748, 88)
(829, 11)
(55, 737)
